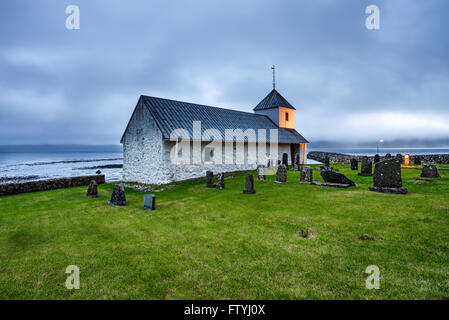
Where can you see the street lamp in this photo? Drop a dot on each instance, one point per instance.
(380, 141)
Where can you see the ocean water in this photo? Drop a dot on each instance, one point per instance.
(27, 163)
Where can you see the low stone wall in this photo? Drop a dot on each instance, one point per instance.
(52, 184)
(346, 158)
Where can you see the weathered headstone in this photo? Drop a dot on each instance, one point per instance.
(118, 197)
(400, 158)
(296, 164)
(387, 177)
(376, 158)
(306, 175)
(367, 167)
(221, 181)
(249, 184)
(210, 183)
(261, 173)
(429, 171)
(354, 164)
(336, 177)
(326, 161)
(285, 160)
(149, 202)
(388, 156)
(417, 160)
(92, 190)
(281, 174)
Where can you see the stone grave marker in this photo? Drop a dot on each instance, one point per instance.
(336, 177)
(210, 183)
(281, 174)
(149, 202)
(92, 190)
(354, 164)
(118, 197)
(376, 158)
(249, 184)
(306, 175)
(387, 177)
(221, 181)
(367, 167)
(261, 173)
(285, 160)
(429, 171)
(296, 164)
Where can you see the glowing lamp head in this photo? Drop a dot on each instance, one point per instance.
(407, 159)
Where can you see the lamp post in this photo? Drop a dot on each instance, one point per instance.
(380, 141)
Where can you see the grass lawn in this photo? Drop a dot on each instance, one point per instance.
(288, 241)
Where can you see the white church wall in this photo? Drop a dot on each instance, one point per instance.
(191, 170)
(143, 150)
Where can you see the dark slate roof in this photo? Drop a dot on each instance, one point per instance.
(273, 100)
(170, 115)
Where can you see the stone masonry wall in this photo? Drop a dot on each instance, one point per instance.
(345, 158)
(51, 184)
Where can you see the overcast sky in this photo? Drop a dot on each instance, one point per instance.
(347, 82)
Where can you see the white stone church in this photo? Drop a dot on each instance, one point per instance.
(149, 142)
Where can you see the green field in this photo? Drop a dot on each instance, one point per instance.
(288, 241)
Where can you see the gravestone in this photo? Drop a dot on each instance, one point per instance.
(326, 161)
(261, 173)
(249, 184)
(429, 171)
(118, 197)
(387, 177)
(367, 167)
(306, 175)
(400, 158)
(388, 156)
(92, 190)
(285, 160)
(296, 164)
(281, 174)
(149, 202)
(417, 160)
(376, 158)
(210, 180)
(336, 177)
(354, 164)
(221, 181)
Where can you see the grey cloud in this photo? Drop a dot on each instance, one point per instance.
(81, 86)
